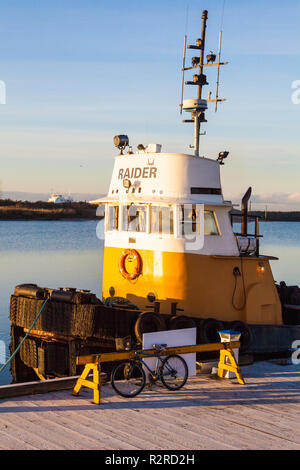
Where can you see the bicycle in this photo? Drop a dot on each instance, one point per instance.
(128, 378)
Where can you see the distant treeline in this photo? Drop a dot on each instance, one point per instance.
(41, 210)
(272, 216)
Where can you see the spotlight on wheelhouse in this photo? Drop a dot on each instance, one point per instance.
(121, 142)
(222, 156)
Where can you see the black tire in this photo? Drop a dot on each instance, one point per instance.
(128, 379)
(209, 330)
(181, 322)
(148, 322)
(169, 367)
(246, 339)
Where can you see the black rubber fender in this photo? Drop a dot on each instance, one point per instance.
(208, 330)
(246, 339)
(181, 322)
(148, 322)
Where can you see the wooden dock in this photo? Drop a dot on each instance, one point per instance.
(206, 414)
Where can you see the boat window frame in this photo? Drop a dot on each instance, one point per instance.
(172, 208)
(133, 203)
(213, 212)
(107, 207)
(181, 222)
(177, 219)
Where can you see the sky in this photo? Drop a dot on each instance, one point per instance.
(79, 72)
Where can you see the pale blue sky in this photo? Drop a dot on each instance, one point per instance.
(78, 72)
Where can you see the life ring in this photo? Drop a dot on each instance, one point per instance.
(138, 264)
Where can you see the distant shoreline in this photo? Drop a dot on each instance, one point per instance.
(12, 210)
(24, 210)
(272, 216)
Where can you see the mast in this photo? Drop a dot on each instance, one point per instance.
(197, 107)
(201, 63)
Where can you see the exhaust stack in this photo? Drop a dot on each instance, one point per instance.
(245, 201)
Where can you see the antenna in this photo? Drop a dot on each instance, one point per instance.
(197, 107)
(183, 70)
(218, 74)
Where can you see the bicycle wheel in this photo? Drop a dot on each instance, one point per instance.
(128, 379)
(174, 372)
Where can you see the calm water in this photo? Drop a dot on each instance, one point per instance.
(51, 254)
(69, 254)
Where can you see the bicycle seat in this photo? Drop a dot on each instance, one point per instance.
(159, 347)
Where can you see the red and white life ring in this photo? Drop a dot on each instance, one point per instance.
(138, 264)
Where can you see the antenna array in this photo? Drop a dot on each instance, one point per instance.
(197, 107)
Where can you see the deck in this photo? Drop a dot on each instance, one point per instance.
(206, 414)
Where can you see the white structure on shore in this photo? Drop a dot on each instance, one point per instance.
(59, 199)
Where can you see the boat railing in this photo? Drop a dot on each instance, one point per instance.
(248, 243)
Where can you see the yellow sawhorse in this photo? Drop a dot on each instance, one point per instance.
(94, 384)
(93, 363)
(228, 362)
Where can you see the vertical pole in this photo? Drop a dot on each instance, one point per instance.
(183, 67)
(196, 117)
(257, 236)
(218, 75)
(244, 230)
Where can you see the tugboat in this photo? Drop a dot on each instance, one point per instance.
(172, 260)
(169, 239)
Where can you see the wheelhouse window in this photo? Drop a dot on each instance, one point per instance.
(162, 220)
(190, 221)
(210, 223)
(134, 218)
(112, 221)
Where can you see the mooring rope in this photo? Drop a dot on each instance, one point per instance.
(25, 337)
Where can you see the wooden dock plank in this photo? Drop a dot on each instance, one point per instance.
(46, 386)
(206, 414)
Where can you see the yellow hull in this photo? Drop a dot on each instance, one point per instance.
(202, 285)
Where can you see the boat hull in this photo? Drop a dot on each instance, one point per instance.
(203, 286)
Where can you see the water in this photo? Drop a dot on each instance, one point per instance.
(48, 253)
(69, 254)
(282, 239)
